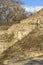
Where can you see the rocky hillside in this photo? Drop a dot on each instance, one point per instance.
(28, 47)
(34, 17)
(22, 41)
(19, 31)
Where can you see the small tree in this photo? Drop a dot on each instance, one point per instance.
(11, 12)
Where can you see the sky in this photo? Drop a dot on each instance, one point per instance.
(33, 4)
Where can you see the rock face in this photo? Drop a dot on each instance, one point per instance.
(23, 39)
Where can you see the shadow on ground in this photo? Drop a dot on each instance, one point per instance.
(35, 62)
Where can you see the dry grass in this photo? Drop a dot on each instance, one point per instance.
(24, 47)
(4, 27)
(7, 37)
